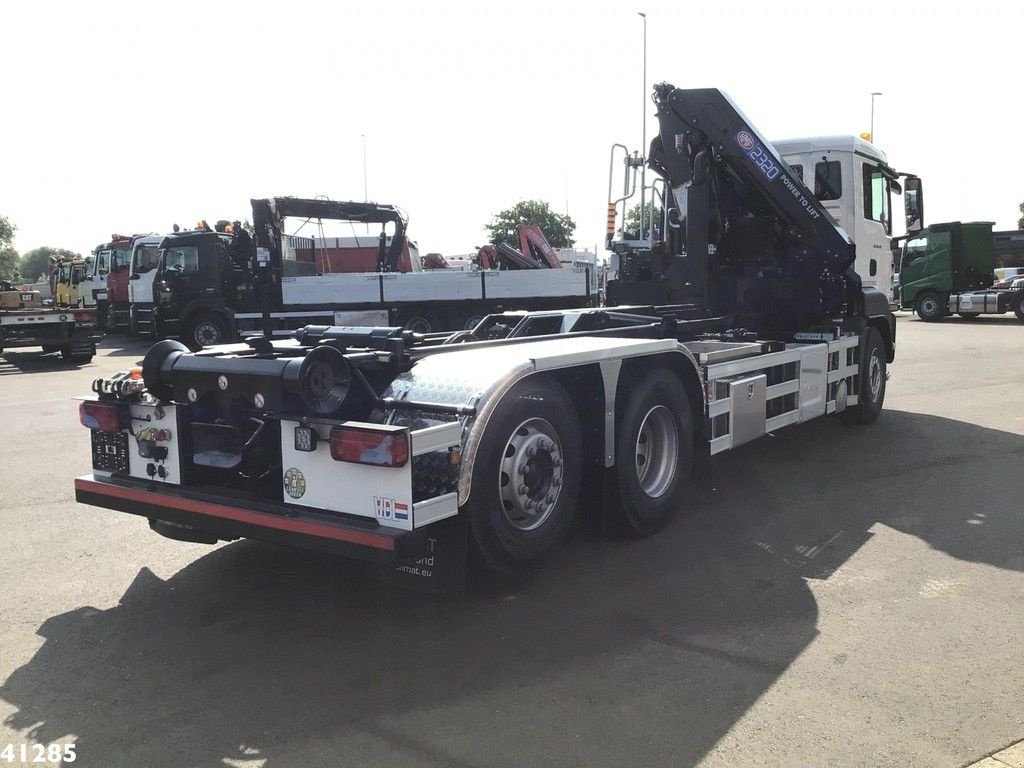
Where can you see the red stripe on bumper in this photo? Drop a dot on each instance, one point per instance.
(239, 515)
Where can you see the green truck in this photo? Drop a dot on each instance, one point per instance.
(948, 269)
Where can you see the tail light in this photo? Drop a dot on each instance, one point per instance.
(370, 446)
(83, 316)
(106, 417)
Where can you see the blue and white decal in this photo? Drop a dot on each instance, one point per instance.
(760, 156)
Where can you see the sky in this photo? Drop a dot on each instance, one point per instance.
(129, 117)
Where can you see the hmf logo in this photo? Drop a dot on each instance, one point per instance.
(389, 509)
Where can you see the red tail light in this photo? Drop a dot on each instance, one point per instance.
(368, 446)
(106, 417)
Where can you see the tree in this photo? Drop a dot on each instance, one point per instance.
(1020, 221)
(8, 256)
(36, 262)
(654, 218)
(558, 229)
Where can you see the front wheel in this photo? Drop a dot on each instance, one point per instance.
(206, 330)
(654, 452)
(1018, 306)
(871, 382)
(929, 307)
(526, 477)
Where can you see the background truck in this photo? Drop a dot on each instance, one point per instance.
(142, 271)
(118, 302)
(25, 322)
(410, 450)
(949, 269)
(208, 290)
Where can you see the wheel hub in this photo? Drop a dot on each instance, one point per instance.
(657, 451)
(875, 375)
(530, 474)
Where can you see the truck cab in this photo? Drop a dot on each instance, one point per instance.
(141, 274)
(197, 287)
(852, 180)
(118, 304)
(69, 280)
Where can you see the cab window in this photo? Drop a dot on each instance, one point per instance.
(876, 197)
(120, 259)
(828, 180)
(182, 259)
(147, 257)
(932, 244)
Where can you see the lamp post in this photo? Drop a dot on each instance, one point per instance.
(873, 94)
(643, 138)
(366, 197)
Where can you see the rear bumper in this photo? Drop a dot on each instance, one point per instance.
(252, 520)
(30, 334)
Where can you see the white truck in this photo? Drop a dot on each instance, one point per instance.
(412, 450)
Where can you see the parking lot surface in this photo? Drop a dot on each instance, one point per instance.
(832, 596)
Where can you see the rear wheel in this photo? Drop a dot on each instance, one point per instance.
(77, 355)
(871, 389)
(526, 477)
(419, 322)
(929, 307)
(654, 452)
(206, 330)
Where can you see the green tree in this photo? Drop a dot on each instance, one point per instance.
(558, 229)
(37, 261)
(8, 256)
(633, 219)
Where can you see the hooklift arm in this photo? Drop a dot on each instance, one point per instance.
(268, 216)
(750, 236)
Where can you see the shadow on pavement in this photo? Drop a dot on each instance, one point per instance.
(35, 361)
(616, 653)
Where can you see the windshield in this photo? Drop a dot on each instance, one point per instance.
(181, 259)
(146, 259)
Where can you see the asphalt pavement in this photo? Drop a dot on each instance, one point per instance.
(833, 596)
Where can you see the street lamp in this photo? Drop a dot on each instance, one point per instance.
(643, 138)
(873, 94)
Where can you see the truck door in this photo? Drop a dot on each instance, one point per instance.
(874, 229)
(145, 260)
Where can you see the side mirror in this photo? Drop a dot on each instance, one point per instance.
(913, 204)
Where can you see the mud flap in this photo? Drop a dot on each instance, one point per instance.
(432, 559)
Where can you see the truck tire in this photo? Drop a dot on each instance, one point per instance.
(472, 322)
(77, 355)
(871, 385)
(526, 477)
(419, 322)
(1018, 306)
(653, 453)
(929, 307)
(206, 330)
